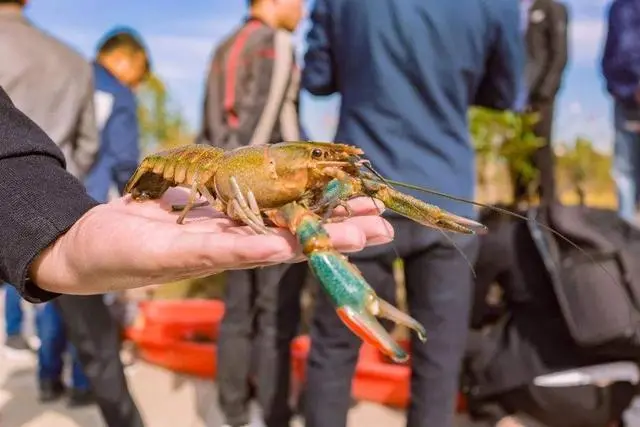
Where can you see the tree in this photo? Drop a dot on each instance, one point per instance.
(161, 125)
(503, 138)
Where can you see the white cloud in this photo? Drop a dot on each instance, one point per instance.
(586, 38)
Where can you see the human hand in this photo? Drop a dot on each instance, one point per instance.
(125, 244)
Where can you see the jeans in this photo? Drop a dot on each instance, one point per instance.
(438, 284)
(12, 311)
(626, 162)
(96, 337)
(54, 342)
(262, 316)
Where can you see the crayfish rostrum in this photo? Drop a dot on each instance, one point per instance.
(296, 185)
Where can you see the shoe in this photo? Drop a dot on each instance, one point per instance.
(50, 390)
(16, 346)
(79, 398)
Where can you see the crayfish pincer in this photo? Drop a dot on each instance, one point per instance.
(296, 185)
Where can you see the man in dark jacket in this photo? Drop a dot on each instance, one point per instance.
(252, 98)
(621, 70)
(547, 46)
(407, 72)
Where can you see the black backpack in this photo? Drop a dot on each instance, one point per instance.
(598, 294)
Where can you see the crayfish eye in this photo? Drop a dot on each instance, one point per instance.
(316, 153)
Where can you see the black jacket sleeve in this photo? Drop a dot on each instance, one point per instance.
(39, 199)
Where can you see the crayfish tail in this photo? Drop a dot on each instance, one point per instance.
(421, 212)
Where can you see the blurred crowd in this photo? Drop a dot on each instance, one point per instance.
(407, 72)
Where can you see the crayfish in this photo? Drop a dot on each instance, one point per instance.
(295, 185)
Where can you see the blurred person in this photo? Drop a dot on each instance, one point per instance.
(547, 56)
(53, 85)
(621, 71)
(409, 115)
(121, 64)
(120, 67)
(53, 345)
(252, 98)
(62, 105)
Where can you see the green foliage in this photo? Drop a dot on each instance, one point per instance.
(582, 167)
(505, 136)
(161, 125)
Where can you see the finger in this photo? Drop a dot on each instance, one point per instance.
(365, 206)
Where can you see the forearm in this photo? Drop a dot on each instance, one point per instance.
(40, 202)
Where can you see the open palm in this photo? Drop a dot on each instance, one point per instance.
(125, 244)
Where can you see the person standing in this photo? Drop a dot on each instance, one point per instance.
(53, 85)
(408, 112)
(120, 67)
(62, 105)
(252, 98)
(547, 56)
(121, 64)
(621, 71)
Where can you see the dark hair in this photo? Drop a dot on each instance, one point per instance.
(20, 2)
(126, 38)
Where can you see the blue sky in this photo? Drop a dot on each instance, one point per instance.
(181, 40)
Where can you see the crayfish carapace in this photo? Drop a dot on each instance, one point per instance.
(296, 185)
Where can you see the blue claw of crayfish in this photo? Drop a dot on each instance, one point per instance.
(355, 301)
(357, 304)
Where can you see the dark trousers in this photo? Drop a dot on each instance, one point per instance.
(438, 283)
(262, 316)
(53, 345)
(96, 336)
(543, 159)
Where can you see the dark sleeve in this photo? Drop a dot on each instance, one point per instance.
(318, 75)
(122, 133)
(621, 59)
(551, 80)
(504, 70)
(39, 199)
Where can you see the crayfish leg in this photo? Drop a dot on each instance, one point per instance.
(190, 202)
(249, 212)
(356, 302)
(176, 208)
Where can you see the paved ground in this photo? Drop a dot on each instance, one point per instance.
(166, 400)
